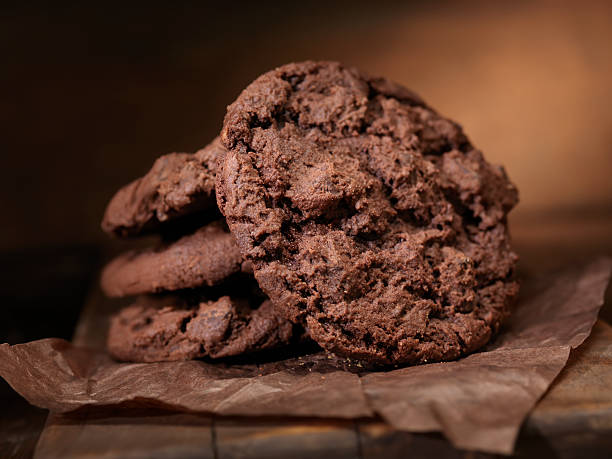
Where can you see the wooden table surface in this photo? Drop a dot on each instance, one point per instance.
(574, 418)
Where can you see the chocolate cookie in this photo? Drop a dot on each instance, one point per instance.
(173, 328)
(178, 184)
(367, 216)
(206, 257)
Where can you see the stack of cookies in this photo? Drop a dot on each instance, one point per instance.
(196, 295)
(349, 210)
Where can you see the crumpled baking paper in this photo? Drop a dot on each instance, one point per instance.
(478, 402)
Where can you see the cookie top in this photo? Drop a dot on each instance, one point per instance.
(366, 215)
(175, 328)
(205, 257)
(178, 184)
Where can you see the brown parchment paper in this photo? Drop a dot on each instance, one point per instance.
(478, 402)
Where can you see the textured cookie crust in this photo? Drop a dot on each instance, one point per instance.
(367, 216)
(178, 184)
(173, 328)
(206, 257)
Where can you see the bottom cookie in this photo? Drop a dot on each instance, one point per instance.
(172, 327)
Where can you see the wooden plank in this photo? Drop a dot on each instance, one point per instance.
(381, 440)
(127, 434)
(284, 438)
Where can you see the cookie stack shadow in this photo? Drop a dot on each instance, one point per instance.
(195, 294)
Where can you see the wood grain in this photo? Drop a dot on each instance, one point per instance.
(127, 434)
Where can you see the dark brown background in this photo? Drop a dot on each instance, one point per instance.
(91, 95)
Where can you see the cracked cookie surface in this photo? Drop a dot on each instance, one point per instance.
(174, 327)
(177, 185)
(368, 217)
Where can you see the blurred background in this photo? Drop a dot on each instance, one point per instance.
(92, 94)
